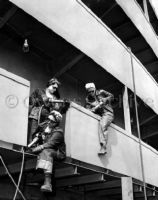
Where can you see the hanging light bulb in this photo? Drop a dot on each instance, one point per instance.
(26, 46)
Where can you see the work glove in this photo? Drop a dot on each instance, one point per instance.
(66, 102)
(27, 150)
(37, 149)
(65, 107)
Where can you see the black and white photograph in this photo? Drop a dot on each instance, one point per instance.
(78, 99)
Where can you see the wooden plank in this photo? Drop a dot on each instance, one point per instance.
(127, 188)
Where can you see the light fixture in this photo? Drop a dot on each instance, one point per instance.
(26, 46)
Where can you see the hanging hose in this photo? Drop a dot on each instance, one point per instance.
(138, 127)
(21, 171)
(9, 174)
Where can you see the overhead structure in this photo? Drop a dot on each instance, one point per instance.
(136, 15)
(73, 21)
(154, 4)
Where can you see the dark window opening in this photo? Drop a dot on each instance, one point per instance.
(147, 121)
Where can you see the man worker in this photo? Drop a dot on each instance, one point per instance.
(99, 102)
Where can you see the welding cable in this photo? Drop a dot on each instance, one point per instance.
(138, 127)
(9, 174)
(21, 172)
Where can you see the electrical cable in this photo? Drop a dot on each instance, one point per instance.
(9, 174)
(138, 127)
(21, 172)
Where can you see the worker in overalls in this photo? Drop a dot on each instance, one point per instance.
(50, 148)
(99, 102)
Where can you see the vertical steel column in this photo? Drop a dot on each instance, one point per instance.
(127, 188)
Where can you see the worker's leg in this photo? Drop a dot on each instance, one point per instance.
(45, 162)
(103, 131)
(47, 186)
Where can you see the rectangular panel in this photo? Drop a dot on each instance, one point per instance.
(13, 108)
(123, 150)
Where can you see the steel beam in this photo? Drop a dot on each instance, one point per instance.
(70, 65)
(80, 180)
(105, 185)
(7, 16)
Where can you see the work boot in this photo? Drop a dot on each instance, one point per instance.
(102, 150)
(47, 186)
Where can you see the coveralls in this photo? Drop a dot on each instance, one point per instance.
(101, 105)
